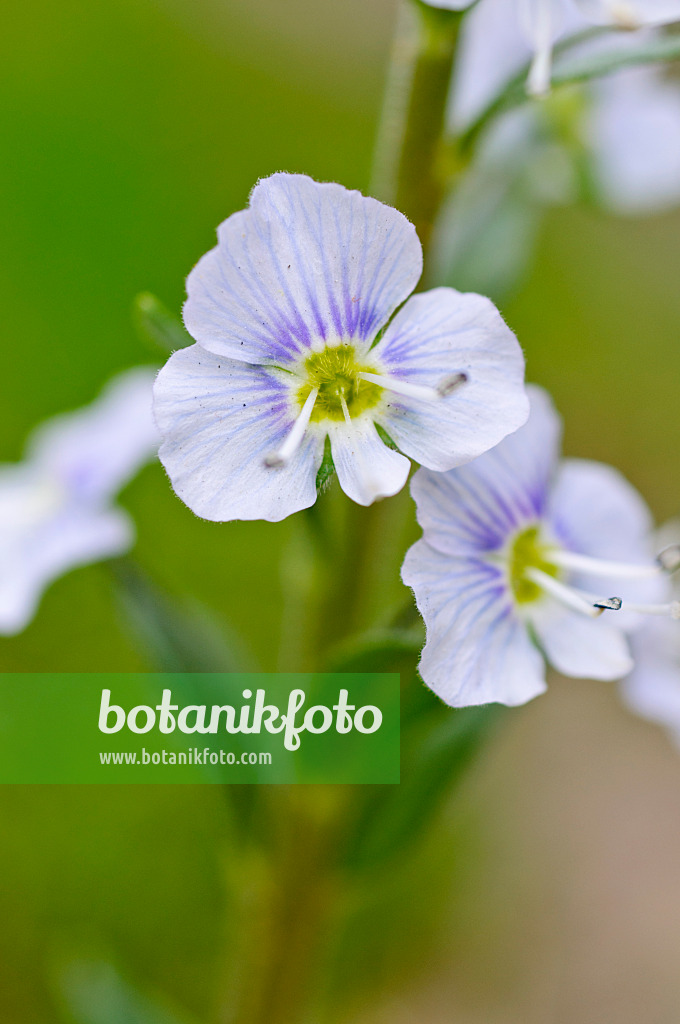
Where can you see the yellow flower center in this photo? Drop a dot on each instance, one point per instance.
(335, 372)
(529, 550)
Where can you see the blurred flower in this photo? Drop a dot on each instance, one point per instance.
(617, 137)
(55, 506)
(288, 311)
(539, 23)
(653, 687)
(511, 546)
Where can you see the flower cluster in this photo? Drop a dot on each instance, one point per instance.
(298, 347)
(619, 133)
(539, 23)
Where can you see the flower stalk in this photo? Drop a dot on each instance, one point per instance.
(409, 160)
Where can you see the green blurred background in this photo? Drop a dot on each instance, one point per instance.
(129, 129)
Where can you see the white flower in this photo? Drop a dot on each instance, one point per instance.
(55, 506)
(519, 552)
(288, 311)
(625, 126)
(653, 687)
(537, 24)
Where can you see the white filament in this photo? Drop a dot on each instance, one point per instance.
(285, 453)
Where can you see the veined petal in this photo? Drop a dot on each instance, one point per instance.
(367, 469)
(595, 511)
(630, 13)
(220, 419)
(439, 333)
(305, 264)
(579, 646)
(635, 140)
(477, 507)
(477, 651)
(653, 687)
(493, 48)
(94, 451)
(36, 556)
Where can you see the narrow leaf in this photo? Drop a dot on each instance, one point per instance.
(157, 326)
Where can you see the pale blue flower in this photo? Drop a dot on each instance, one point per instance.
(537, 24)
(519, 555)
(291, 315)
(56, 507)
(653, 687)
(626, 126)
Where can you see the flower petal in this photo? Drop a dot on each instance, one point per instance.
(450, 5)
(367, 469)
(439, 333)
(94, 451)
(630, 13)
(579, 646)
(306, 263)
(493, 48)
(477, 651)
(596, 512)
(34, 558)
(478, 506)
(635, 138)
(219, 419)
(653, 687)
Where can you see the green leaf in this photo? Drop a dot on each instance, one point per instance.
(326, 469)
(656, 51)
(436, 750)
(379, 650)
(157, 326)
(486, 233)
(177, 636)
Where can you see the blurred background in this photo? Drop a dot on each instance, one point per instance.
(130, 129)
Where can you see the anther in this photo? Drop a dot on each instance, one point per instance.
(609, 604)
(450, 384)
(669, 558)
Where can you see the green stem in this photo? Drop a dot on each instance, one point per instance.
(283, 903)
(287, 901)
(409, 157)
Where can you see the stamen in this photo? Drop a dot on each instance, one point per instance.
(601, 567)
(285, 453)
(446, 386)
(540, 72)
(566, 595)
